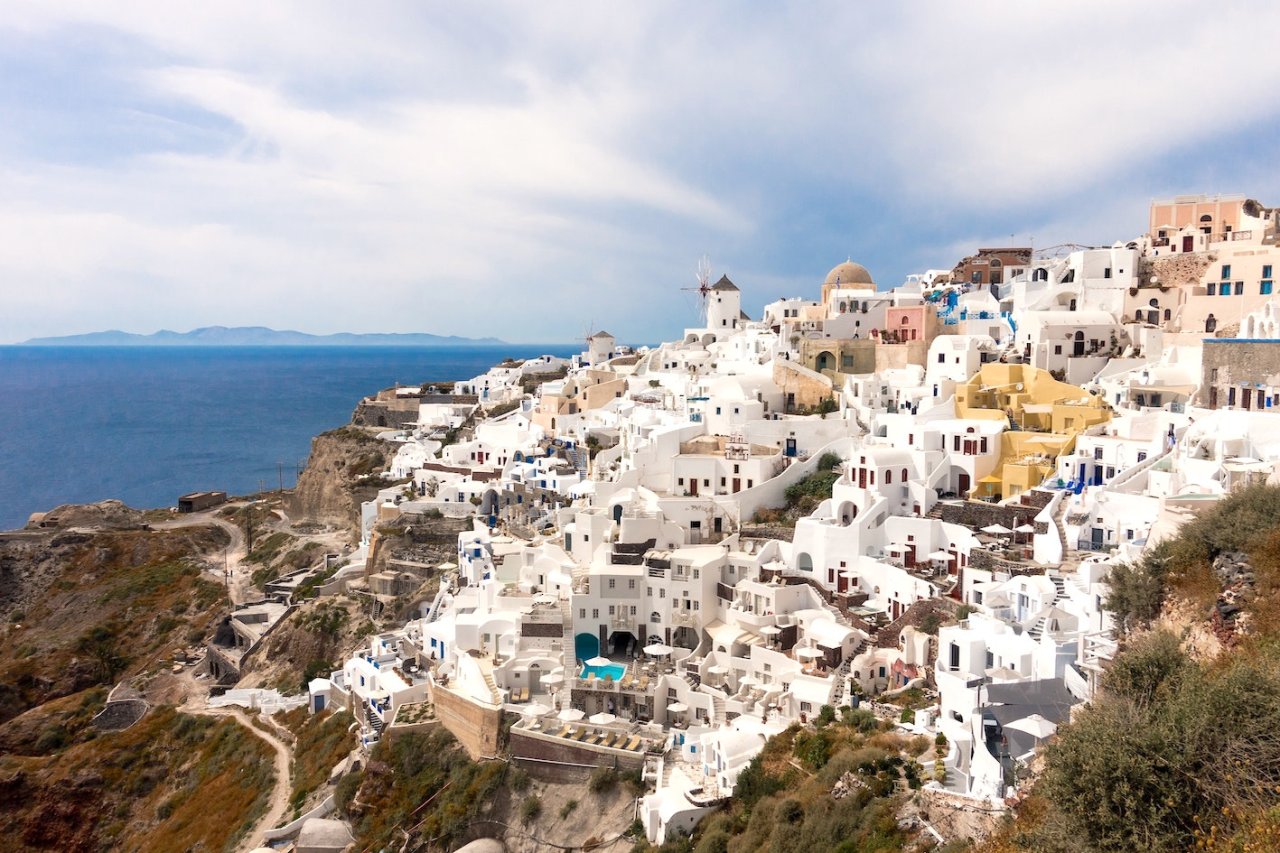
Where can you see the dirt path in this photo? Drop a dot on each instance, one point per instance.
(279, 803)
(240, 589)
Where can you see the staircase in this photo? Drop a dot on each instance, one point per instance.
(718, 717)
(374, 722)
(842, 676)
(935, 511)
(1059, 584)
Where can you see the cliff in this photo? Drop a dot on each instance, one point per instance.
(342, 471)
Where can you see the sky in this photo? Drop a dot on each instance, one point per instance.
(534, 171)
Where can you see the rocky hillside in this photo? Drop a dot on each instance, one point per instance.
(342, 471)
(84, 607)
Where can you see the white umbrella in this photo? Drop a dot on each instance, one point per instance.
(598, 661)
(771, 630)
(809, 653)
(717, 670)
(1024, 528)
(571, 715)
(940, 555)
(601, 719)
(748, 680)
(677, 707)
(997, 529)
(1035, 725)
(553, 678)
(657, 649)
(537, 709)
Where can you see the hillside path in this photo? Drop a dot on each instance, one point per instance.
(279, 803)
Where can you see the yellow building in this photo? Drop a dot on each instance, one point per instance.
(1044, 417)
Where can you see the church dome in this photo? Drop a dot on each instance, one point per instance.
(850, 275)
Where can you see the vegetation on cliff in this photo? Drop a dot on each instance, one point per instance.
(171, 782)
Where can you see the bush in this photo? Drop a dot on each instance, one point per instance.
(345, 792)
(826, 716)
(567, 809)
(518, 779)
(530, 809)
(603, 780)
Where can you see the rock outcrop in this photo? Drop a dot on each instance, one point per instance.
(341, 471)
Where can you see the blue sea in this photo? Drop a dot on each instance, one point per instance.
(146, 424)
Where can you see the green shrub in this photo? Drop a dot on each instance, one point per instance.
(530, 809)
(568, 808)
(603, 780)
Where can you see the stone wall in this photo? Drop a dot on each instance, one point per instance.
(476, 726)
(392, 414)
(977, 515)
(565, 761)
(1228, 364)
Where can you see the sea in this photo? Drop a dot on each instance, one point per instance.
(147, 424)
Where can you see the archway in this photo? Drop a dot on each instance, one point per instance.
(804, 562)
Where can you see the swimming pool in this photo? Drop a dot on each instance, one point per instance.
(586, 646)
(613, 670)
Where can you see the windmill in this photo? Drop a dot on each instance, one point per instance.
(703, 276)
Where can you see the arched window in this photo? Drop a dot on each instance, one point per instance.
(888, 478)
(904, 475)
(1210, 323)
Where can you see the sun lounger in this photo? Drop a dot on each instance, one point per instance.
(635, 744)
(644, 682)
(581, 735)
(568, 732)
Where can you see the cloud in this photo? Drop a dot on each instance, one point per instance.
(515, 170)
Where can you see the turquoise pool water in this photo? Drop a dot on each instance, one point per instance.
(614, 670)
(586, 646)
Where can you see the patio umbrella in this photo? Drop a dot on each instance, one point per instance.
(809, 653)
(940, 555)
(572, 715)
(657, 650)
(748, 680)
(602, 719)
(997, 530)
(1024, 528)
(553, 679)
(537, 709)
(718, 670)
(677, 707)
(598, 661)
(1035, 725)
(771, 630)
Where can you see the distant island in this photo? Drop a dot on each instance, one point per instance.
(255, 336)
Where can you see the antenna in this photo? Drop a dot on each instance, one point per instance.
(703, 276)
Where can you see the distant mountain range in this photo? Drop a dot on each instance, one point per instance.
(255, 336)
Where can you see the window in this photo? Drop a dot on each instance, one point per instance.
(633, 610)
(1106, 272)
(612, 610)
(1266, 270)
(649, 591)
(1213, 289)
(680, 480)
(696, 572)
(662, 593)
(595, 613)
(1226, 272)
(1265, 287)
(582, 614)
(942, 357)
(612, 583)
(1239, 288)
(1225, 289)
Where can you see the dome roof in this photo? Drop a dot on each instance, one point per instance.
(851, 275)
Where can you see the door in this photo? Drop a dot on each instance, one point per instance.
(909, 557)
(737, 485)
(1188, 244)
(964, 483)
(693, 486)
(791, 444)
(862, 478)
(1097, 538)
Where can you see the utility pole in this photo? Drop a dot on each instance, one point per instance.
(280, 474)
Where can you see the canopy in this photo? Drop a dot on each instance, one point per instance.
(657, 649)
(997, 529)
(599, 661)
(771, 630)
(809, 653)
(940, 555)
(718, 670)
(601, 719)
(1024, 528)
(552, 678)
(571, 715)
(677, 707)
(537, 709)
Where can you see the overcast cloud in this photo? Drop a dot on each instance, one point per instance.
(527, 170)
